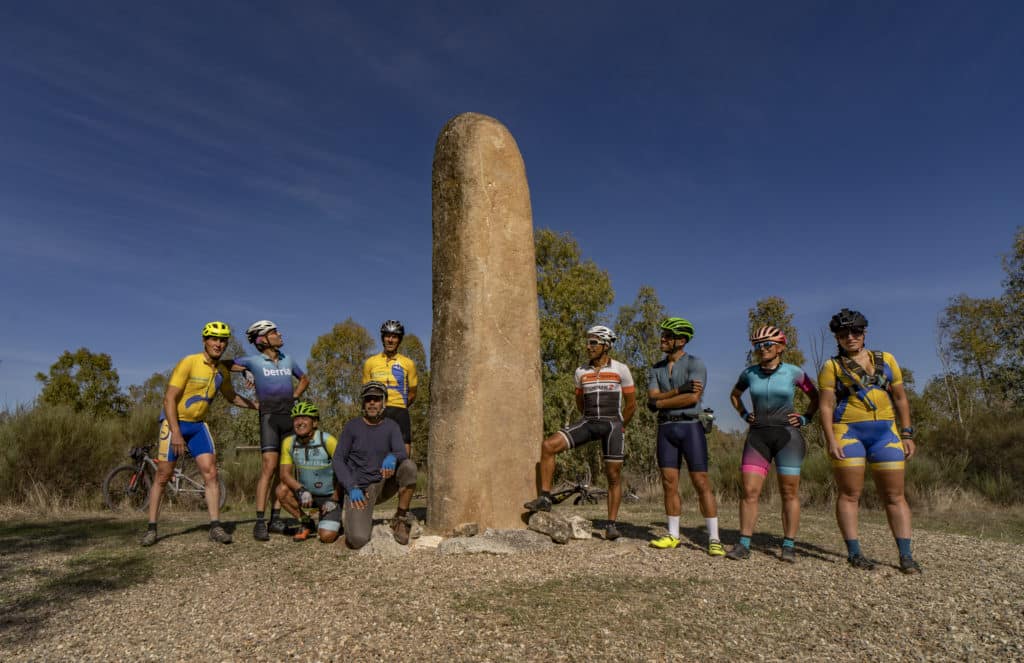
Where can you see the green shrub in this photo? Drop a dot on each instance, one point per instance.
(59, 452)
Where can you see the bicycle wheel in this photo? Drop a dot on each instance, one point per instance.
(191, 488)
(126, 489)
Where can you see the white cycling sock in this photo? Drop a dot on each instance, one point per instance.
(673, 526)
(712, 524)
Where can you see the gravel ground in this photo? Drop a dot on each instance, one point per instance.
(91, 594)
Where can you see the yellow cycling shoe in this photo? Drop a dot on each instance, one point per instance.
(667, 541)
(715, 548)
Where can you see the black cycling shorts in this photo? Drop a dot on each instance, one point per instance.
(273, 429)
(330, 521)
(609, 431)
(400, 415)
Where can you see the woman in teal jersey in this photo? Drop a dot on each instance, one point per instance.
(773, 434)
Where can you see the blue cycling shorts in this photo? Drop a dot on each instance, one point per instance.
(875, 443)
(197, 436)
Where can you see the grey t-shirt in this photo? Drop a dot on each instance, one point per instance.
(362, 449)
(685, 369)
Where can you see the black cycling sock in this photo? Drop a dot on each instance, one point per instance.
(400, 512)
(214, 523)
(275, 514)
(259, 515)
(545, 493)
(151, 526)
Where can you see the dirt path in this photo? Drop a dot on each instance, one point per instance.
(85, 591)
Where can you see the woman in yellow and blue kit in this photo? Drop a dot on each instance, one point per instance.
(862, 393)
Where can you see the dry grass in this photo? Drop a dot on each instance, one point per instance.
(79, 587)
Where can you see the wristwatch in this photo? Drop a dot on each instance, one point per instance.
(907, 432)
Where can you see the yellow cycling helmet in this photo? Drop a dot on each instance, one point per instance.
(305, 409)
(216, 330)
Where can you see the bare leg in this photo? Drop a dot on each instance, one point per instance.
(164, 471)
(890, 488)
(708, 507)
(670, 484)
(550, 448)
(613, 470)
(267, 471)
(850, 484)
(752, 484)
(207, 464)
(288, 501)
(789, 489)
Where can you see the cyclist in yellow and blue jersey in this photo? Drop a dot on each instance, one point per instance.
(398, 373)
(862, 394)
(194, 384)
(307, 476)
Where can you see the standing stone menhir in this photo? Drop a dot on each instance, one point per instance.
(485, 386)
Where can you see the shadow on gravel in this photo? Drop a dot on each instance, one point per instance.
(101, 561)
(696, 538)
(626, 529)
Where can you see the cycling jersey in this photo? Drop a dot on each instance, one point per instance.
(274, 387)
(398, 373)
(772, 392)
(856, 401)
(311, 461)
(685, 369)
(602, 389)
(199, 382)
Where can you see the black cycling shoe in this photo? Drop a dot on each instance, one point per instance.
(542, 503)
(259, 531)
(738, 551)
(861, 562)
(277, 526)
(909, 566)
(611, 532)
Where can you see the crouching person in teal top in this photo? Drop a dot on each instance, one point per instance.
(307, 476)
(370, 466)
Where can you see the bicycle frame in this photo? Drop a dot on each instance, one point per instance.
(179, 482)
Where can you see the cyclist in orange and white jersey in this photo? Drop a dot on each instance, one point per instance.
(606, 397)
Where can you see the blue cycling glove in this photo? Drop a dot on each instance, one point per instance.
(389, 462)
(356, 495)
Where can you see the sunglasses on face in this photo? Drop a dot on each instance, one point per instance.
(592, 342)
(765, 344)
(367, 399)
(850, 331)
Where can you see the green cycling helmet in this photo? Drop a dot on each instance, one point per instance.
(677, 327)
(305, 409)
(216, 330)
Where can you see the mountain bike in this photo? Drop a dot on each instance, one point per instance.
(580, 489)
(126, 488)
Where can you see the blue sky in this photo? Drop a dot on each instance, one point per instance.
(164, 164)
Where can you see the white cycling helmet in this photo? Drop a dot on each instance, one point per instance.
(259, 328)
(603, 334)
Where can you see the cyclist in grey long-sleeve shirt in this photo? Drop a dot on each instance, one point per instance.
(371, 465)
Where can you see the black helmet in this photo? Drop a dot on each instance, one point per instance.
(373, 388)
(392, 327)
(847, 318)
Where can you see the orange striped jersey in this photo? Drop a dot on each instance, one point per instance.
(602, 389)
